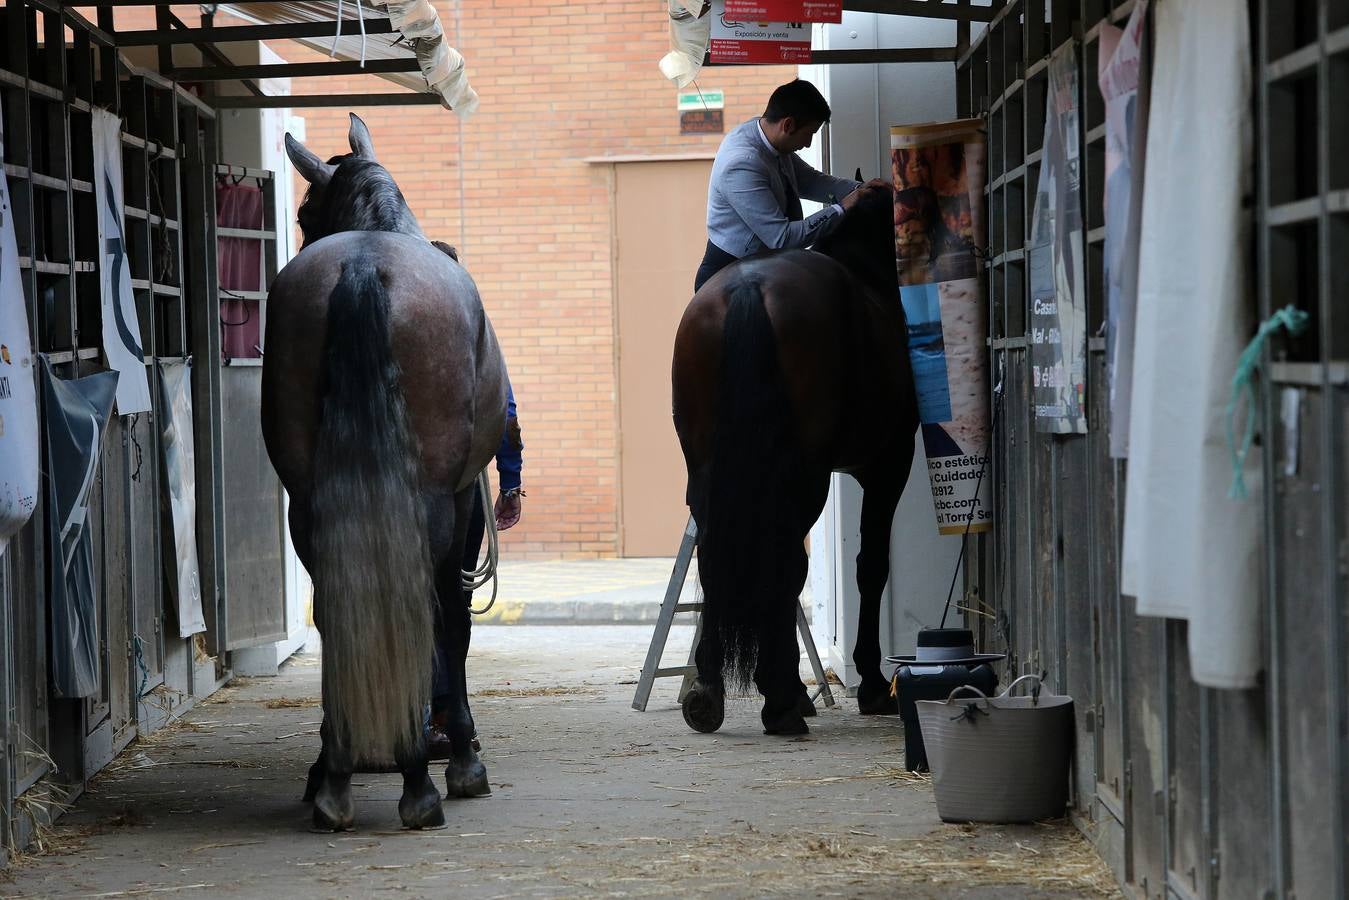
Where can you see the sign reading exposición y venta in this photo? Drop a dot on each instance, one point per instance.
(768, 43)
(786, 10)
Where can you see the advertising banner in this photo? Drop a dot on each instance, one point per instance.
(1058, 315)
(737, 40)
(939, 172)
(1123, 81)
(180, 497)
(786, 10)
(19, 440)
(121, 326)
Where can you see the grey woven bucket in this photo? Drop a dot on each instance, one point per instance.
(1003, 759)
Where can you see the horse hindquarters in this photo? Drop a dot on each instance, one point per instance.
(372, 573)
(751, 561)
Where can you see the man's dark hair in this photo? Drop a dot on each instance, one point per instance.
(798, 99)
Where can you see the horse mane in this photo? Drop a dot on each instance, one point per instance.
(864, 241)
(361, 195)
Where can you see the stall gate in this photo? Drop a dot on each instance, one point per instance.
(1188, 791)
(55, 69)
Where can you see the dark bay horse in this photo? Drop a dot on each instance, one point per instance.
(789, 366)
(383, 396)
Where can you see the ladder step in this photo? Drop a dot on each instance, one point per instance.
(688, 607)
(676, 670)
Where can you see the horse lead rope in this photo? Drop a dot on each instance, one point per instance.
(488, 570)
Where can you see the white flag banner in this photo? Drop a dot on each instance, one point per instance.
(19, 442)
(121, 327)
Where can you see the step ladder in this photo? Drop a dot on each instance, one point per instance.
(651, 669)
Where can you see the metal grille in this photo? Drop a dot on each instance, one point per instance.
(55, 69)
(1187, 791)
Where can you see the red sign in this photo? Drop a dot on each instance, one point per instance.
(734, 41)
(785, 10)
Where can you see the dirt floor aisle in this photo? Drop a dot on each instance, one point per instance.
(590, 798)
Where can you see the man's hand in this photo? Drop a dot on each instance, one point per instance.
(874, 184)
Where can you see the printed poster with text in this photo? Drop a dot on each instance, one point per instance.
(1124, 85)
(939, 174)
(748, 41)
(1058, 314)
(786, 10)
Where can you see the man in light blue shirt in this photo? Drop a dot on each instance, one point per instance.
(754, 196)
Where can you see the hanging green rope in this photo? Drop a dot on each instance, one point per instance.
(1295, 321)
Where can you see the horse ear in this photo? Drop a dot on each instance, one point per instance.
(858, 176)
(313, 169)
(359, 138)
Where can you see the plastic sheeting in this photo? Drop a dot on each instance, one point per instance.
(76, 413)
(443, 71)
(240, 267)
(690, 34)
(19, 442)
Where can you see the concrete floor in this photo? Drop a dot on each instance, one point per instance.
(590, 799)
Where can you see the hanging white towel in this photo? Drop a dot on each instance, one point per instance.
(1190, 552)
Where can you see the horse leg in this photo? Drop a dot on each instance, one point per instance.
(465, 775)
(882, 484)
(704, 705)
(777, 673)
(334, 809)
(298, 516)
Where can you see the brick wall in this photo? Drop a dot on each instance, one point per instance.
(510, 188)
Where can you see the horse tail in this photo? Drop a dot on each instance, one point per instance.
(374, 588)
(746, 520)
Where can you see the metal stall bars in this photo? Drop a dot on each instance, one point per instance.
(255, 526)
(1302, 73)
(57, 68)
(1188, 792)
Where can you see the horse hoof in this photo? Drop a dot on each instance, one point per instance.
(466, 778)
(704, 708)
(877, 704)
(788, 723)
(806, 707)
(332, 815)
(422, 809)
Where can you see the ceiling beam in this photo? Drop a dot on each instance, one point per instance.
(926, 9)
(311, 101)
(294, 70)
(215, 35)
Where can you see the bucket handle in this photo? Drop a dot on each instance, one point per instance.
(950, 698)
(1034, 693)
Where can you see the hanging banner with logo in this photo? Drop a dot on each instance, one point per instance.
(121, 327)
(180, 495)
(76, 415)
(786, 10)
(750, 41)
(19, 440)
(938, 171)
(1058, 319)
(1124, 86)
